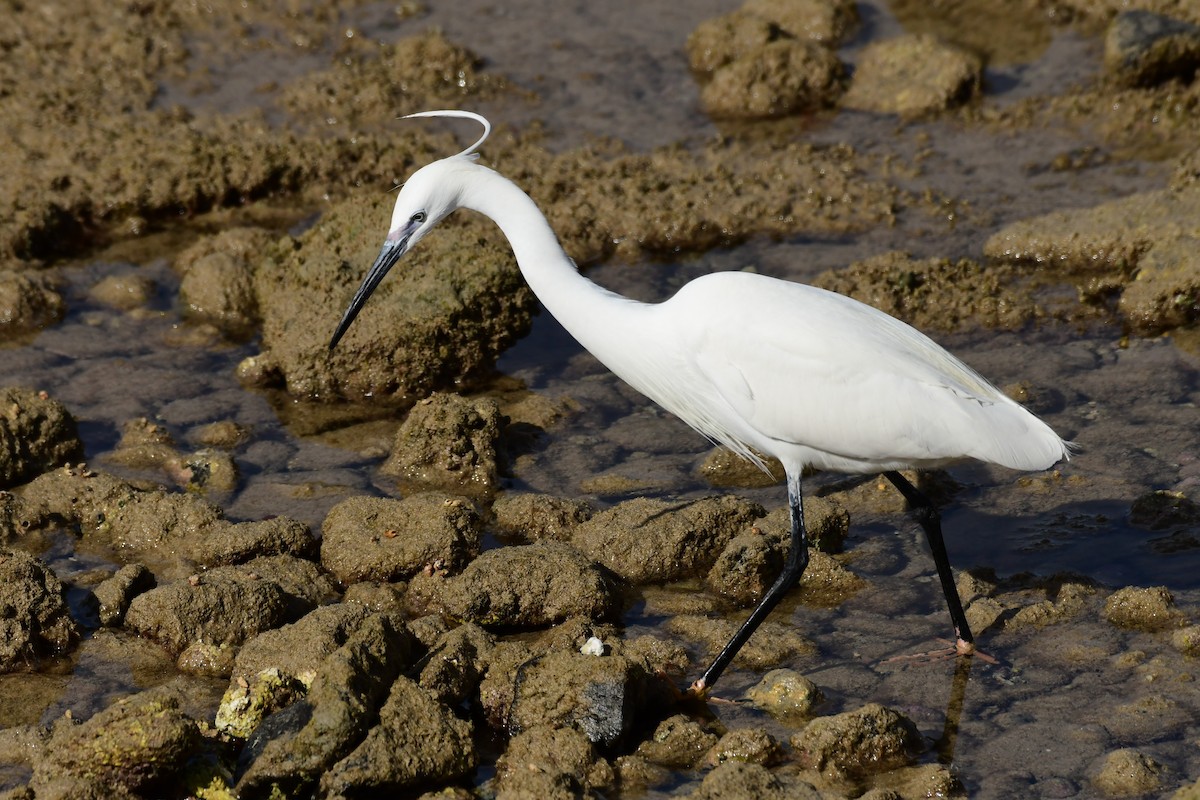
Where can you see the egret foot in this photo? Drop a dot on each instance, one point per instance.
(956, 649)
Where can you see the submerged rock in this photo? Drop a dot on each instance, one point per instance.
(1128, 773)
(35, 621)
(36, 435)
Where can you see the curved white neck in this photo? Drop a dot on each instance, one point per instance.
(590, 313)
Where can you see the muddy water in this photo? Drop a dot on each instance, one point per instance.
(1036, 723)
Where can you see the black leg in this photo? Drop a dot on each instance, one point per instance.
(797, 560)
(927, 515)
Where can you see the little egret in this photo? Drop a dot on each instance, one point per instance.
(757, 364)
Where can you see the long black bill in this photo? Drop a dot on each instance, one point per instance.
(388, 256)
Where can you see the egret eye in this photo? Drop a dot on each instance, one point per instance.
(418, 217)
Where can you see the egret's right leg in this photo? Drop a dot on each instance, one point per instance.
(797, 560)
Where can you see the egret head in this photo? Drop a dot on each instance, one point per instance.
(426, 198)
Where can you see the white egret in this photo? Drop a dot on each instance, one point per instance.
(757, 364)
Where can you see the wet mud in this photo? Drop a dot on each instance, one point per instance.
(454, 556)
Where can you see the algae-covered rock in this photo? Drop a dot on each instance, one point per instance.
(785, 76)
(114, 594)
(647, 540)
(218, 278)
(123, 291)
(416, 743)
(1128, 773)
(749, 745)
(913, 75)
(439, 323)
(448, 442)
(456, 664)
(28, 302)
(1142, 608)
(139, 744)
(35, 621)
(36, 435)
(679, 742)
(291, 750)
(551, 762)
(381, 539)
(223, 606)
(786, 695)
(1142, 48)
(531, 516)
(871, 739)
(741, 779)
(599, 695)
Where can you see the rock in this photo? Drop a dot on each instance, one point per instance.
(1128, 773)
(123, 292)
(224, 606)
(1142, 48)
(456, 664)
(679, 742)
(248, 701)
(218, 278)
(35, 621)
(527, 586)
(1147, 609)
(749, 745)
(748, 566)
(722, 40)
(782, 77)
(437, 324)
(36, 434)
(530, 516)
(114, 594)
(771, 645)
(1161, 510)
(647, 540)
(139, 744)
(739, 779)
(598, 695)
(932, 293)
(786, 695)
(29, 301)
(724, 468)
(913, 75)
(1165, 291)
(172, 533)
(417, 743)
(824, 21)
(448, 442)
(293, 748)
(865, 741)
(297, 650)
(380, 539)
(223, 434)
(1187, 640)
(552, 764)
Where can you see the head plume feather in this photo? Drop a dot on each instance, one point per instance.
(470, 151)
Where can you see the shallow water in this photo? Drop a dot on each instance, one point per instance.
(1030, 725)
